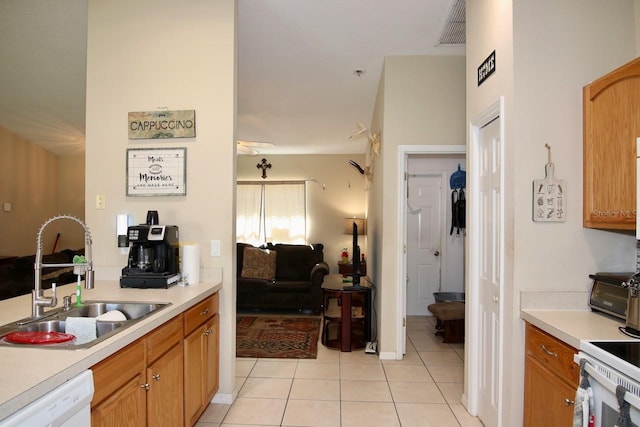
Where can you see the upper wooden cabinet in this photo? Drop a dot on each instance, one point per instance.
(611, 107)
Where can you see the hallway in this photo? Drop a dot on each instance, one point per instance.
(352, 389)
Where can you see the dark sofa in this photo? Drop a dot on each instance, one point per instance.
(299, 271)
(17, 277)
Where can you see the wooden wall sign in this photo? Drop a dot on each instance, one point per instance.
(156, 172)
(162, 124)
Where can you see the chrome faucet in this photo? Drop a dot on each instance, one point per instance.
(39, 300)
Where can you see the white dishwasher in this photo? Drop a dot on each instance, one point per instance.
(69, 405)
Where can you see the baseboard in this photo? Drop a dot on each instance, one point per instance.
(223, 398)
(388, 355)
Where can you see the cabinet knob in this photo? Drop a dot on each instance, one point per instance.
(436, 253)
(156, 377)
(145, 386)
(568, 402)
(204, 312)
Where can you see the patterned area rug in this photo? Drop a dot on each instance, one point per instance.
(282, 337)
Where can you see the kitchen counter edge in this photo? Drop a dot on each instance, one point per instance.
(572, 326)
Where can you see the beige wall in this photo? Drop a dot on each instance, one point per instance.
(38, 185)
(421, 102)
(338, 193)
(147, 55)
(540, 75)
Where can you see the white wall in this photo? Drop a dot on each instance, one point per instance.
(147, 55)
(338, 193)
(546, 51)
(420, 102)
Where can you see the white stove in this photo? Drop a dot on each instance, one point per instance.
(609, 366)
(623, 356)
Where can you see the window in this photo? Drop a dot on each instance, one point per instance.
(271, 212)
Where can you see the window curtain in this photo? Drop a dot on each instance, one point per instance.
(249, 224)
(271, 212)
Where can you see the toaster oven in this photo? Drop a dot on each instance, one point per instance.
(608, 295)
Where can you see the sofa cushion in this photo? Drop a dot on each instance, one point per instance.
(258, 264)
(289, 286)
(295, 262)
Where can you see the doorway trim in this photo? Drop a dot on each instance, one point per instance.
(403, 153)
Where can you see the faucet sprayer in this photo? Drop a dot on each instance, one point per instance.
(633, 284)
(39, 300)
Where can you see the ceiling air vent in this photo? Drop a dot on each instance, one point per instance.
(454, 25)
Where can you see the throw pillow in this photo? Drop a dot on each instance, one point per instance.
(258, 264)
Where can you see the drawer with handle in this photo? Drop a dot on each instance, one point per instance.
(200, 313)
(552, 353)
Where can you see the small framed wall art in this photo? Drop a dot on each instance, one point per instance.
(156, 171)
(549, 196)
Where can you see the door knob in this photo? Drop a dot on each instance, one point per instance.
(436, 253)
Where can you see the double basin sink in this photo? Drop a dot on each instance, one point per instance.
(55, 321)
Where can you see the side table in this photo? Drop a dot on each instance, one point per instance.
(346, 269)
(346, 318)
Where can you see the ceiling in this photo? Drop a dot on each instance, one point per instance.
(308, 70)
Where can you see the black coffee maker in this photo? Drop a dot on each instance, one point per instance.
(153, 255)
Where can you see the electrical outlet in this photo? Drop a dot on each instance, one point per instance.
(100, 201)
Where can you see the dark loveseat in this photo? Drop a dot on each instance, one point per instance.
(295, 284)
(17, 277)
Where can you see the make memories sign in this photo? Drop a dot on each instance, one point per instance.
(162, 124)
(157, 172)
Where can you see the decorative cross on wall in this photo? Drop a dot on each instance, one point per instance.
(264, 166)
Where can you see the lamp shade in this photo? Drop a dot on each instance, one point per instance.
(361, 223)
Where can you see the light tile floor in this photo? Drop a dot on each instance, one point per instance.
(352, 389)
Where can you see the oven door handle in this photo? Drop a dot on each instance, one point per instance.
(610, 385)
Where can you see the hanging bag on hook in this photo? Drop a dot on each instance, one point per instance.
(454, 216)
(461, 210)
(458, 210)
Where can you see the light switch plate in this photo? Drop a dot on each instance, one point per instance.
(6, 206)
(215, 248)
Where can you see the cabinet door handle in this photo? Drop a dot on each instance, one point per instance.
(568, 402)
(156, 377)
(145, 386)
(204, 312)
(550, 353)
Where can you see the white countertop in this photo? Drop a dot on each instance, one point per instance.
(27, 373)
(571, 326)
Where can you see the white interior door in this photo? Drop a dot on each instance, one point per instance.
(489, 271)
(424, 237)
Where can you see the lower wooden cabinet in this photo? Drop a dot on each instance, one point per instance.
(120, 396)
(164, 375)
(551, 380)
(201, 354)
(166, 378)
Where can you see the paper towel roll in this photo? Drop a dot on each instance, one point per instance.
(191, 263)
